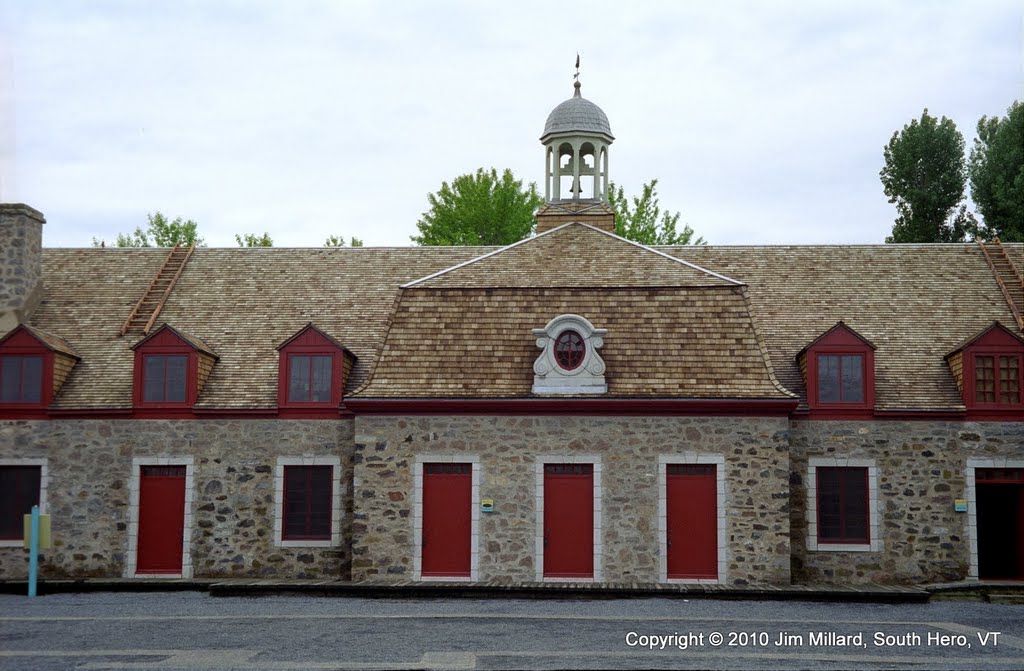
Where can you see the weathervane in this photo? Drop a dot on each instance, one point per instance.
(576, 77)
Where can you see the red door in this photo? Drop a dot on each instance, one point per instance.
(447, 510)
(569, 520)
(161, 519)
(692, 524)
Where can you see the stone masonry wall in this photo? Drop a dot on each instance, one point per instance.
(756, 453)
(90, 463)
(921, 470)
(21, 239)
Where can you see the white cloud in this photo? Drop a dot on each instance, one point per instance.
(764, 122)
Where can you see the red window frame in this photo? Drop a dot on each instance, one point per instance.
(311, 342)
(309, 503)
(847, 475)
(21, 343)
(20, 489)
(166, 343)
(841, 341)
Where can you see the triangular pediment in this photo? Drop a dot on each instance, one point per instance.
(574, 255)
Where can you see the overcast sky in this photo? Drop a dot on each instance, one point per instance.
(764, 122)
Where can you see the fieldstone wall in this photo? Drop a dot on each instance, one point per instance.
(756, 453)
(21, 240)
(921, 470)
(90, 463)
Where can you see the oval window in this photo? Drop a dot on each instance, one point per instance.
(569, 350)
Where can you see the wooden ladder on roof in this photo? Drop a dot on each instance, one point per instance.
(145, 312)
(1007, 275)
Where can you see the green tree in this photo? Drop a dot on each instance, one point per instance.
(924, 176)
(159, 233)
(644, 222)
(997, 174)
(338, 241)
(253, 240)
(479, 209)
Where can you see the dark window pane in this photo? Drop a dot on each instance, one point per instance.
(19, 491)
(828, 378)
(842, 504)
(984, 379)
(10, 378)
(153, 379)
(1009, 379)
(853, 378)
(307, 502)
(176, 374)
(322, 378)
(31, 379)
(298, 378)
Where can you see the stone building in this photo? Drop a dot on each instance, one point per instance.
(574, 406)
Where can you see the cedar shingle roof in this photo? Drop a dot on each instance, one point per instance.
(684, 342)
(575, 255)
(54, 342)
(242, 303)
(914, 302)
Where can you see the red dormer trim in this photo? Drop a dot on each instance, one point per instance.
(165, 342)
(20, 343)
(298, 350)
(840, 341)
(997, 344)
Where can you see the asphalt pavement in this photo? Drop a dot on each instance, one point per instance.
(194, 631)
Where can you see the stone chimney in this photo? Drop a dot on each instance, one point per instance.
(21, 263)
(596, 213)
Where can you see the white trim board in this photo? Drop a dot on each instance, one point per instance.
(134, 484)
(417, 515)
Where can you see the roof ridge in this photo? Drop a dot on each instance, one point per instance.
(495, 252)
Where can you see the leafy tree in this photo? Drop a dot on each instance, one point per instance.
(924, 176)
(644, 222)
(253, 240)
(337, 241)
(159, 233)
(997, 174)
(479, 209)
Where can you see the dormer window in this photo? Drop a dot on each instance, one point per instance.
(309, 378)
(312, 371)
(165, 378)
(171, 368)
(839, 370)
(841, 378)
(33, 367)
(21, 379)
(989, 371)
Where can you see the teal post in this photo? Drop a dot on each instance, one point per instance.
(33, 553)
